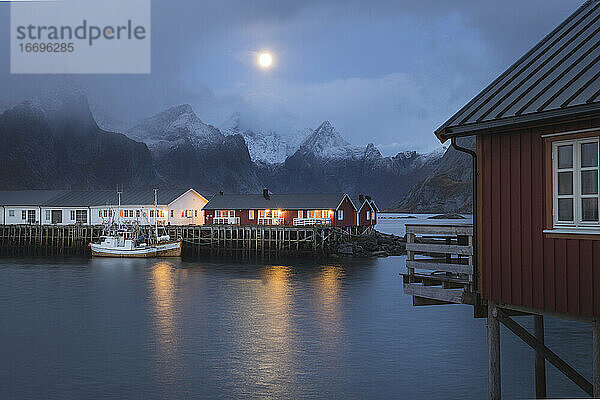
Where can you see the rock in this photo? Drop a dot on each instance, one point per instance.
(346, 250)
(380, 253)
(447, 216)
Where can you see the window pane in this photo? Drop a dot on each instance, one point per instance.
(589, 209)
(589, 155)
(565, 183)
(565, 209)
(565, 156)
(589, 182)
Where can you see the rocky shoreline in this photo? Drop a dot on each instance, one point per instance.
(374, 244)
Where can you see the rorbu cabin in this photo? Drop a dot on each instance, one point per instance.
(534, 248)
(366, 211)
(306, 209)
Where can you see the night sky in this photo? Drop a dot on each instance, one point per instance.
(387, 72)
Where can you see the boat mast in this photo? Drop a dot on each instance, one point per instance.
(156, 213)
(119, 207)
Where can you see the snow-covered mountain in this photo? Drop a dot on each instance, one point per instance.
(176, 126)
(327, 143)
(265, 146)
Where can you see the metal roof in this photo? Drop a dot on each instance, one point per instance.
(558, 78)
(27, 197)
(84, 198)
(303, 201)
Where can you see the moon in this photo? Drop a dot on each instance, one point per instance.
(265, 60)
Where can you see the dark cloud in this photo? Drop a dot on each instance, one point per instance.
(383, 71)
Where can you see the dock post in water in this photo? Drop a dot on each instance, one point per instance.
(493, 328)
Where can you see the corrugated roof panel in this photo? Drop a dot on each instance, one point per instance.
(27, 197)
(550, 78)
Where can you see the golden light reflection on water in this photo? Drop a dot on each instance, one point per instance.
(328, 293)
(265, 343)
(163, 282)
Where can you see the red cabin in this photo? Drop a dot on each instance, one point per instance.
(537, 207)
(336, 209)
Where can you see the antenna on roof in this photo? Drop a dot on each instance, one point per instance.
(119, 192)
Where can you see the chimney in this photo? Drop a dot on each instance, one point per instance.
(220, 193)
(266, 193)
(361, 198)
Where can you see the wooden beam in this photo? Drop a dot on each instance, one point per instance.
(439, 265)
(540, 361)
(436, 229)
(596, 356)
(493, 331)
(440, 248)
(434, 292)
(548, 354)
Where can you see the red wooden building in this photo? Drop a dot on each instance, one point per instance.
(335, 209)
(536, 190)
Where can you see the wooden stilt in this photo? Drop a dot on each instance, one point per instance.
(540, 361)
(596, 355)
(494, 387)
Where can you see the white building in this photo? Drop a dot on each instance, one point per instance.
(67, 207)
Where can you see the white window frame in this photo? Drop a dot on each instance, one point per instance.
(48, 215)
(576, 196)
(340, 215)
(250, 214)
(11, 213)
(368, 215)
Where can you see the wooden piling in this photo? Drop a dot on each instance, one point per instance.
(493, 328)
(596, 357)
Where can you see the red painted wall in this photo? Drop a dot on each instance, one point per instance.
(349, 214)
(518, 264)
(362, 216)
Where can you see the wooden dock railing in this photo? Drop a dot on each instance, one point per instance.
(440, 264)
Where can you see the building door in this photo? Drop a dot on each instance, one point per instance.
(57, 216)
(31, 216)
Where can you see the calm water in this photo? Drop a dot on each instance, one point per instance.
(150, 329)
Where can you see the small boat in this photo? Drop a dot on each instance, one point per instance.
(130, 240)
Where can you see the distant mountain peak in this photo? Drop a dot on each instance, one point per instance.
(327, 142)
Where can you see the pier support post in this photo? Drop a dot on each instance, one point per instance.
(540, 361)
(493, 330)
(596, 356)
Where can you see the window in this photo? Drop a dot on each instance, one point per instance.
(47, 215)
(195, 213)
(575, 183)
(368, 215)
(300, 214)
(100, 213)
(340, 214)
(171, 213)
(11, 213)
(137, 213)
(31, 216)
(251, 214)
(151, 213)
(72, 215)
(24, 215)
(81, 216)
(373, 215)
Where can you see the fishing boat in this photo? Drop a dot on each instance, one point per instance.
(130, 240)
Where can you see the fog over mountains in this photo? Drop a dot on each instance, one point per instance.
(58, 142)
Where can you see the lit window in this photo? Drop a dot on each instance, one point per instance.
(251, 214)
(340, 215)
(368, 215)
(300, 213)
(575, 183)
(151, 213)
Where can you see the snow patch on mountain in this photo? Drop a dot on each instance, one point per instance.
(176, 126)
(264, 146)
(327, 143)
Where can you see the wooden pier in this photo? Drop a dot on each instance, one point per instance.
(258, 240)
(439, 263)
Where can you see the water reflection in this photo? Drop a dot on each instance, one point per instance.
(163, 283)
(265, 339)
(328, 290)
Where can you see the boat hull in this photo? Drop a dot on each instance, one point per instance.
(166, 249)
